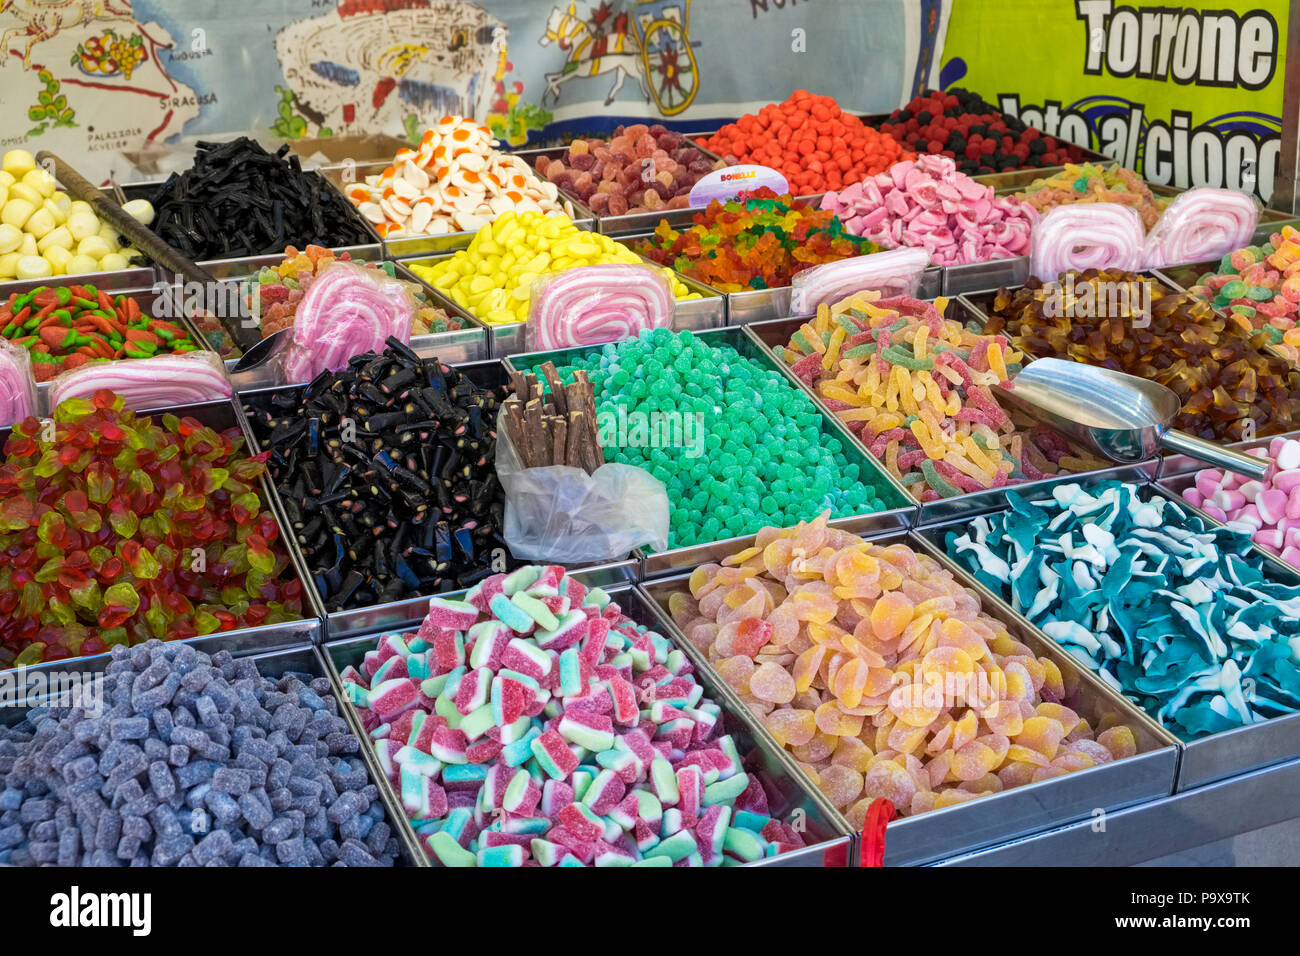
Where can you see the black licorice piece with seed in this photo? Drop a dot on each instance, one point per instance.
(239, 200)
(409, 504)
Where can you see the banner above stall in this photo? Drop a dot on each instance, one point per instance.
(107, 79)
(1185, 96)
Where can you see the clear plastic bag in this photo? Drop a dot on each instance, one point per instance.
(1081, 236)
(1201, 224)
(897, 272)
(148, 383)
(592, 305)
(17, 386)
(562, 515)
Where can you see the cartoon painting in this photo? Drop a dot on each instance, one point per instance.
(88, 73)
(386, 65)
(650, 42)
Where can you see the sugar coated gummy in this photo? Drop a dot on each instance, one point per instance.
(189, 760)
(921, 392)
(758, 241)
(750, 451)
(1181, 617)
(535, 724)
(882, 675)
(1088, 182)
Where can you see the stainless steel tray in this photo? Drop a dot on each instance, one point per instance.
(487, 374)
(708, 312)
(467, 344)
(133, 277)
(789, 795)
(298, 658)
(1023, 810)
(772, 334)
(266, 637)
(898, 517)
(145, 297)
(342, 176)
(1216, 756)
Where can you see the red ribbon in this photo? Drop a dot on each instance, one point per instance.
(873, 832)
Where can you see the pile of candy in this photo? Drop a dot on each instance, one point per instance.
(757, 242)
(882, 675)
(66, 327)
(919, 390)
(493, 278)
(815, 144)
(456, 181)
(1259, 288)
(45, 233)
(1268, 509)
(101, 524)
(535, 723)
(274, 293)
(980, 137)
(193, 761)
(386, 473)
(239, 200)
(750, 450)
(1088, 182)
(1224, 378)
(639, 169)
(1180, 617)
(927, 203)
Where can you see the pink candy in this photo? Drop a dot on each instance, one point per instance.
(1270, 509)
(164, 380)
(1201, 224)
(16, 385)
(591, 305)
(928, 204)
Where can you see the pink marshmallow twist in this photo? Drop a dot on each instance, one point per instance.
(347, 311)
(592, 305)
(17, 387)
(890, 273)
(1079, 236)
(163, 380)
(1199, 225)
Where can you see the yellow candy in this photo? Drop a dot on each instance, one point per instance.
(18, 163)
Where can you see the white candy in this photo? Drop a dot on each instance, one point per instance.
(11, 237)
(58, 258)
(40, 223)
(33, 267)
(9, 265)
(57, 237)
(41, 181)
(1288, 457)
(78, 264)
(82, 224)
(93, 246)
(113, 260)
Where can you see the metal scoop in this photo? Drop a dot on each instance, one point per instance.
(1121, 417)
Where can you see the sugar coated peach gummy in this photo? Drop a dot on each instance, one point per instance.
(882, 675)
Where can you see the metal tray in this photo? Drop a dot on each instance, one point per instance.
(342, 176)
(145, 189)
(467, 344)
(1023, 810)
(708, 312)
(223, 415)
(1245, 748)
(133, 277)
(776, 333)
(486, 374)
(789, 794)
(898, 517)
(145, 297)
(297, 658)
(1216, 756)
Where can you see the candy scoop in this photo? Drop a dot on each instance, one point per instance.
(1122, 417)
(245, 334)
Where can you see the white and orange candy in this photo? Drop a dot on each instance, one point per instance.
(456, 181)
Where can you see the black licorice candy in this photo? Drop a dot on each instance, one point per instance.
(239, 200)
(390, 492)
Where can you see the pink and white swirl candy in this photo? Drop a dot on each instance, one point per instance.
(16, 385)
(1079, 236)
(896, 272)
(928, 204)
(591, 305)
(347, 310)
(157, 382)
(1201, 224)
